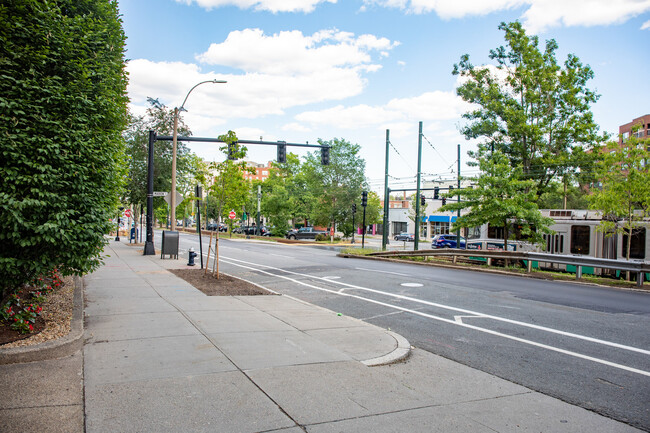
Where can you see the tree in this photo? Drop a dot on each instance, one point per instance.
(336, 186)
(62, 110)
(160, 119)
(625, 195)
(230, 188)
(500, 198)
(531, 109)
(417, 219)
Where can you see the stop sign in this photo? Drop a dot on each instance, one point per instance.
(232, 215)
(127, 213)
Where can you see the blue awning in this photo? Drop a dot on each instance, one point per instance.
(438, 218)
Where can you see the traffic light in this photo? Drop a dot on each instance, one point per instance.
(325, 155)
(354, 207)
(436, 193)
(231, 151)
(282, 152)
(444, 201)
(423, 200)
(364, 198)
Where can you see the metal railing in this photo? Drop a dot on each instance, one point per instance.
(637, 266)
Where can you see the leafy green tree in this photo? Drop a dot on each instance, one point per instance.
(62, 110)
(530, 108)
(160, 119)
(230, 189)
(557, 193)
(500, 198)
(625, 195)
(412, 214)
(336, 186)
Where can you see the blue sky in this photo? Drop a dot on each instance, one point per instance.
(300, 70)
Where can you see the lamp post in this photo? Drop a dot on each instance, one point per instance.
(175, 140)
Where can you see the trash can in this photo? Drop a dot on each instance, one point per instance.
(170, 241)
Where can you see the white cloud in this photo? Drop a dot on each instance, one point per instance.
(274, 6)
(539, 14)
(292, 53)
(358, 116)
(297, 127)
(280, 71)
(430, 106)
(646, 25)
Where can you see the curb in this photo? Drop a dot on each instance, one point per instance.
(58, 348)
(400, 353)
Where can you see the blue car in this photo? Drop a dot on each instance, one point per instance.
(447, 241)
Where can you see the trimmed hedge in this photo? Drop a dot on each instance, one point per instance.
(62, 111)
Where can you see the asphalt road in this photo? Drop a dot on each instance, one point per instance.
(583, 344)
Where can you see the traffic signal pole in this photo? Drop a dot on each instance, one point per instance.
(417, 196)
(384, 238)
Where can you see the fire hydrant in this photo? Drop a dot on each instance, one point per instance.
(192, 255)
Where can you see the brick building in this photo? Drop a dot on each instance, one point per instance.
(643, 123)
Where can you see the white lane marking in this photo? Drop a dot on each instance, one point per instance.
(459, 319)
(384, 272)
(453, 322)
(280, 255)
(331, 278)
(469, 312)
(411, 284)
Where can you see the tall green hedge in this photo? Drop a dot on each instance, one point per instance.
(62, 110)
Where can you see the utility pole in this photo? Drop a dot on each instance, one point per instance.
(417, 195)
(259, 197)
(458, 211)
(384, 238)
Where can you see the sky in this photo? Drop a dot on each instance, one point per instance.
(303, 70)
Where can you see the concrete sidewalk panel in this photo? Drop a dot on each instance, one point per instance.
(138, 326)
(446, 381)
(537, 412)
(180, 291)
(255, 350)
(276, 303)
(212, 322)
(317, 393)
(127, 305)
(361, 343)
(34, 384)
(211, 303)
(152, 358)
(43, 419)
(224, 402)
(95, 293)
(316, 318)
(422, 420)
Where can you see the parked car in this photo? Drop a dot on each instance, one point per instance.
(408, 237)
(305, 233)
(447, 241)
(222, 227)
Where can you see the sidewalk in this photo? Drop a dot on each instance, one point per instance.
(160, 356)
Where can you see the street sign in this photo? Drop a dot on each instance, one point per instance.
(127, 213)
(160, 193)
(232, 215)
(179, 199)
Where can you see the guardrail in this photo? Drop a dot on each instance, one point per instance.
(637, 266)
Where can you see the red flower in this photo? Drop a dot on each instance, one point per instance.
(31, 328)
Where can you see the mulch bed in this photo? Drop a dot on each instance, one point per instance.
(225, 285)
(8, 335)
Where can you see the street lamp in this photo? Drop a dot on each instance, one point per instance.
(175, 139)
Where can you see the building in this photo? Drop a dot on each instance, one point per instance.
(643, 123)
(261, 171)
